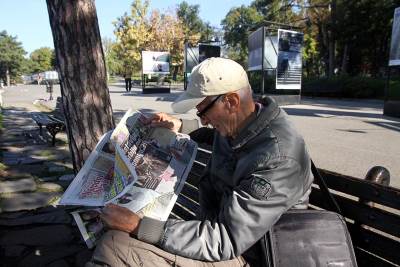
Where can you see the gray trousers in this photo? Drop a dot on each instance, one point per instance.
(117, 248)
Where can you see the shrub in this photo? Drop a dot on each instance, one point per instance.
(345, 86)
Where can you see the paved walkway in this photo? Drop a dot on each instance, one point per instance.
(31, 167)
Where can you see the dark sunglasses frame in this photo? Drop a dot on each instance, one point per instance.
(201, 113)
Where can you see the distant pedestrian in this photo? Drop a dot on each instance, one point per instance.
(39, 79)
(128, 79)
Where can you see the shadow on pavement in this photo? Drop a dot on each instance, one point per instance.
(159, 96)
(394, 126)
(355, 104)
(336, 113)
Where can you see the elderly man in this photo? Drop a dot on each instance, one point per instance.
(259, 169)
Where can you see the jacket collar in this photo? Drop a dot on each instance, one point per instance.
(269, 111)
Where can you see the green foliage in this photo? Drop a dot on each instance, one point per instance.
(237, 26)
(351, 37)
(346, 86)
(275, 10)
(43, 59)
(189, 15)
(132, 32)
(140, 31)
(113, 63)
(365, 28)
(255, 78)
(11, 56)
(394, 90)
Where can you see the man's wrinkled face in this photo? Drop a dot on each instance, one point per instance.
(213, 111)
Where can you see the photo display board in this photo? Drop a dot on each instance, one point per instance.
(255, 43)
(155, 62)
(394, 58)
(289, 67)
(196, 55)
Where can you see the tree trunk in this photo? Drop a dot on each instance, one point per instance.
(344, 59)
(332, 39)
(81, 66)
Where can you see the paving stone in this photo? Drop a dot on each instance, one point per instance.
(34, 169)
(67, 177)
(8, 161)
(63, 184)
(20, 185)
(12, 149)
(11, 155)
(15, 172)
(57, 169)
(48, 179)
(28, 201)
(11, 143)
(53, 187)
(30, 160)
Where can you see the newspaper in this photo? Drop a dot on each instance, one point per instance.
(135, 166)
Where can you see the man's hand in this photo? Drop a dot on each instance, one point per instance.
(164, 120)
(120, 218)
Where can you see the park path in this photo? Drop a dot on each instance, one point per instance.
(31, 167)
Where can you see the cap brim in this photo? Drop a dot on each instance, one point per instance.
(186, 102)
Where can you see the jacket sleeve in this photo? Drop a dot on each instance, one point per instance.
(244, 217)
(207, 198)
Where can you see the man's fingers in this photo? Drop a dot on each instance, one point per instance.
(164, 124)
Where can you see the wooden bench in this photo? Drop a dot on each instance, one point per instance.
(375, 230)
(52, 124)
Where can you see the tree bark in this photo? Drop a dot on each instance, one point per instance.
(344, 59)
(81, 67)
(332, 39)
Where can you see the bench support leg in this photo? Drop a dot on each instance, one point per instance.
(53, 130)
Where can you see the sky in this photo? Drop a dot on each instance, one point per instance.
(28, 20)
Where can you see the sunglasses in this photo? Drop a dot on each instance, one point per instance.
(200, 114)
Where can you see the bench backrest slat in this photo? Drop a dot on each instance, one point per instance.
(369, 191)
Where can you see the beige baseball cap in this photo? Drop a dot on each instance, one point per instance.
(213, 76)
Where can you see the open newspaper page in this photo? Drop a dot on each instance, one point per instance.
(162, 160)
(92, 184)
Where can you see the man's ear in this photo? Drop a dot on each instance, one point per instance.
(233, 101)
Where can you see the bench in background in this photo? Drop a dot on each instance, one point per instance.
(52, 124)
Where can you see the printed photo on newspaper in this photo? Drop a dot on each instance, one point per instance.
(135, 166)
